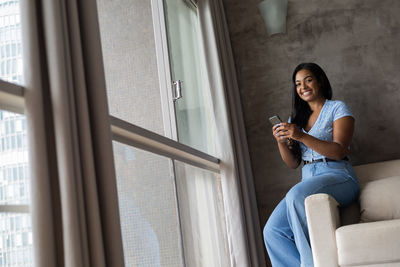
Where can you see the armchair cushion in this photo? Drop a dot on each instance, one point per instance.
(369, 243)
(323, 219)
(379, 200)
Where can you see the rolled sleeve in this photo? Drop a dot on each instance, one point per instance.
(341, 110)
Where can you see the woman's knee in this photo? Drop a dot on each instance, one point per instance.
(266, 231)
(269, 231)
(274, 223)
(296, 195)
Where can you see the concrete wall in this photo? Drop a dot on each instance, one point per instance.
(356, 42)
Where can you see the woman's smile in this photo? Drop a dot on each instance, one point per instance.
(307, 85)
(306, 92)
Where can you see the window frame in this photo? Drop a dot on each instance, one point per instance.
(130, 134)
(12, 99)
(155, 143)
(166, 145)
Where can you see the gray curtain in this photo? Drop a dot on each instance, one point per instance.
(74, 206)
(245, 237)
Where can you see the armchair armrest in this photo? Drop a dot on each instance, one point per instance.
(323, 219)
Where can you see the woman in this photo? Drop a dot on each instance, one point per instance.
(319, 135)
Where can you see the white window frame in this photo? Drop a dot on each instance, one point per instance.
(138, 137)
(12, 99)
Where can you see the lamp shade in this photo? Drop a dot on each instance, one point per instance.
(274, 15)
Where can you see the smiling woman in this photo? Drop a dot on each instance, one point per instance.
(319, 135)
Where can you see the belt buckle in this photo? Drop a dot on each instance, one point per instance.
(313, 161)
(307, 162)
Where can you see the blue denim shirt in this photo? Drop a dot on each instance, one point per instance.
(323, 127)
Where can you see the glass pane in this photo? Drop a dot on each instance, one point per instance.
(194, 113)
(148, 209)
(202, 216)
(15, 228)
(130, 62)
(10, 42)
(15, 240)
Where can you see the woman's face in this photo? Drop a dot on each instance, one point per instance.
(307, 86)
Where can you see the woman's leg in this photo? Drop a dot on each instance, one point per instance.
(279, 240)
(338, 185)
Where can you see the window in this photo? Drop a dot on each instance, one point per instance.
(177, 180)
(14, 184)
(176, 228)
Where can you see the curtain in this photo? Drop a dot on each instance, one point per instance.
(74, 205)
(245, 238)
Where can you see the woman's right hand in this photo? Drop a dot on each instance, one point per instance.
(275, 132)
(285, 147)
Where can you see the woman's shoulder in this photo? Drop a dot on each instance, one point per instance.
(338, 108)
(336, 103)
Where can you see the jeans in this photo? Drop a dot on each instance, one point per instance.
(286, 233)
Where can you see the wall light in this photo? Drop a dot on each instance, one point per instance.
(274, 15)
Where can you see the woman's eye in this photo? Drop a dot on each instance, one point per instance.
(297, 85)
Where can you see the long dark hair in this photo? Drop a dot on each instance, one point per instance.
(300, 109)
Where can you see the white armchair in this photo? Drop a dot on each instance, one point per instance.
(338, 238)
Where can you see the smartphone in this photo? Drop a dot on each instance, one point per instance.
(275, 120)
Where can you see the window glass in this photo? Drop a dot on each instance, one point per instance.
(202, 216)
(194, 113)
(15, 240)
(15, 228)
(10, 39)
(130, 62)
(148, 208)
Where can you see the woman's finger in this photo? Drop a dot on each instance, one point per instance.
(284, 132)
(282, 128)
(286, 126)
(279, 129)
(283, 136)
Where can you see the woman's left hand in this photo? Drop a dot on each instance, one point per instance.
(289, 130)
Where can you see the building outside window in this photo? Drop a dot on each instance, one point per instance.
(15, 227)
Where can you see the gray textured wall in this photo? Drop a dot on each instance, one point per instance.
(356, 42)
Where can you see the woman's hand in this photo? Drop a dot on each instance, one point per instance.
(275, 132)
(285, 145)
(286, 131)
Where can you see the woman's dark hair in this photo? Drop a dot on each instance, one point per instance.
(300, 109)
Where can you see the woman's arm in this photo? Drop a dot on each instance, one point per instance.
(343, 130)
(286, 154)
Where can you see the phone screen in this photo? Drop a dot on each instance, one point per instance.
(275, 120)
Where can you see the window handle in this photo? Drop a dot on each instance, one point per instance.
(177, 86)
